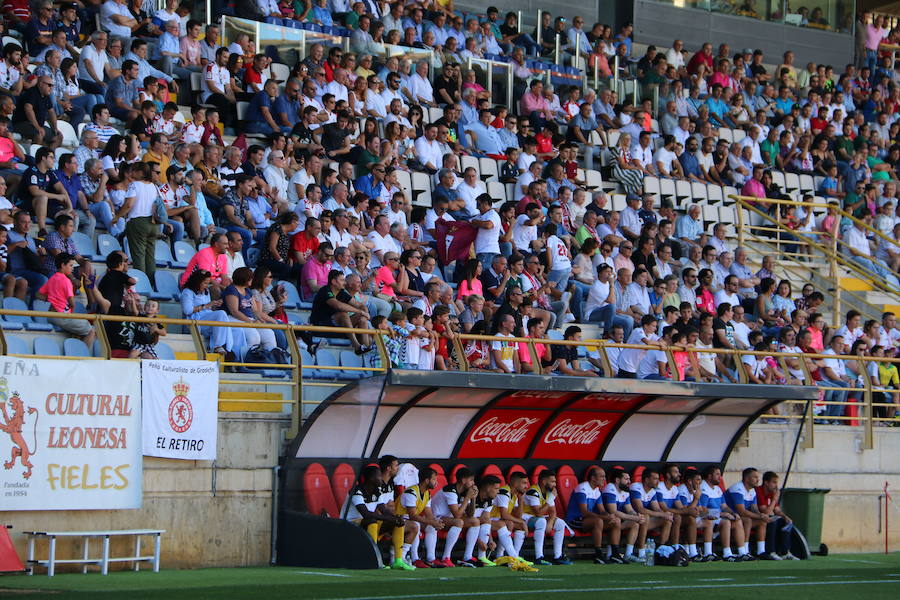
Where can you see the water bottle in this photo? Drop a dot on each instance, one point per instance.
(650, 553)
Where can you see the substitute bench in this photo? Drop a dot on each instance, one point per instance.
(86, 559)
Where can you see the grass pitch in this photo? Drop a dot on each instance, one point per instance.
(849, 576)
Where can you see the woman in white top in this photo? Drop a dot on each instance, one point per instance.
(140, 229)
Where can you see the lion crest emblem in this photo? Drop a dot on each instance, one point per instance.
(14, 425)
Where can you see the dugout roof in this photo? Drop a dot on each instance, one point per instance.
(441, 415)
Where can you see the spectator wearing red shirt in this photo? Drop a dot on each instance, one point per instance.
(778, 531)
(16, 14)
(440, 317)
(704, 57)
(305, 243)
(254, 79)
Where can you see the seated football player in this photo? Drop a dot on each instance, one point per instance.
(714, 512)
(365, 508)
(415, 505)
(507, 514)
(585, 512)
(616, 499)
(667, 497)
(389, 466)
(689, 499)
(479, 510)
(778, 529)
(450, 505)
(643, 500)
(741, 498)
(540, 510)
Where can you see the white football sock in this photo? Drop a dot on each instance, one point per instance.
(452, 536)
(559, 535)
(745, 549)
(608, 550)
(518, 539)
(641, 552)
(760, 547)
(506, 543)
(414, 550)
(430, 542)
(726, 552)
(471, 540)
(707, 548)
(405, 551)
(692, 549)
(484, 534)
(540, 528)
(629, 549)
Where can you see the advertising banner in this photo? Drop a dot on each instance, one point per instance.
(70, 435)
(181, 407)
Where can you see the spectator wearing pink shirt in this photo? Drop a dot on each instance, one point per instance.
(60, 293)
(190, 47)
(211, 259)
(754, 188)
(315, 271)
(534, 105)
(875, 32)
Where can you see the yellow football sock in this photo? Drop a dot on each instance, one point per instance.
(372, 528)
(397, 538)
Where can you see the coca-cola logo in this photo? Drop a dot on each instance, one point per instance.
(502, 432)
(566, 432)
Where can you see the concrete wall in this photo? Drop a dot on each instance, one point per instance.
(659, 24)
(856, 479)
(215, 514)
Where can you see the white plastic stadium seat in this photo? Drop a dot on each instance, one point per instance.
(469, 161)
(488, 169)
(618, 202)
(791, 182)
(651, 185)
(497, 191)
(738, 134)
(667, 188)
(713, 193)
(698, 191)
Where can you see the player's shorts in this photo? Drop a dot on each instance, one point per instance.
(702, 521)
(480, 511)
(533, 520)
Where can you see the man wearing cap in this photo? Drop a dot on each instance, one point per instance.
(629, 220)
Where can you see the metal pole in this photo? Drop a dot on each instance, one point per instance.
(806, 412)
(510, 82)
(596, 74)
(577, 51)
(556, 51)
(490, 76)
(615, 85)
(208, 12)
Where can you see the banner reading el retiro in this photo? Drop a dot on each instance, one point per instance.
(70, 434)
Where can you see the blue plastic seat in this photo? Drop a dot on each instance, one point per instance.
(162, 254)
(351, 359)
(16, 345)
(44, 346)
(29, 323)
(292, 296)
(164, 351)
(326, 358)
(184, 252)
(143, 286)
(74, 347)
(166, 285)
(84, 244)
(106, 244)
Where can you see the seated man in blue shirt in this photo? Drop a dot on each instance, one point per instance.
(717, 106)
(690, 164)
(486, 139)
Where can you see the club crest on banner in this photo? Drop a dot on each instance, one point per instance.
(181, 413)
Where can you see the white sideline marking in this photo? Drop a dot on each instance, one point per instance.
(613, 589)
(552, 579)
(722, 579)
(868, 562)
(322, 574)
(792, 577)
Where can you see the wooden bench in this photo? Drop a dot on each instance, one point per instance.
(85, 559)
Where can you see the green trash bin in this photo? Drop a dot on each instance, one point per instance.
(806, 506)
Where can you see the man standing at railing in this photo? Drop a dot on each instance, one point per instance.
(834, 374)
(858, 245)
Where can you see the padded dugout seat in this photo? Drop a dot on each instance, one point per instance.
(317, 492)
(342, 481)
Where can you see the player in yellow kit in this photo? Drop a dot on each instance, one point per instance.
(415, 505)
(506, 515)
(540, 513)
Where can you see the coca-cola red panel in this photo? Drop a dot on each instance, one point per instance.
(601, 401)
(502, 434)
(536, 399)
(576, 435)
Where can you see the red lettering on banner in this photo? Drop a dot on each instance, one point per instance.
(534, 399)
(502, 434)
(575, 435)
(616, 402)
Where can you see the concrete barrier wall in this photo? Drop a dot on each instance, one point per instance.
(854, 517)
(215, 513)
(219, 514)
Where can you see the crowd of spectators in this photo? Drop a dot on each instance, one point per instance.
(310, 195)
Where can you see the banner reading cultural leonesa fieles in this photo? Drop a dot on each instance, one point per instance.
(70, 434)
(181, 403)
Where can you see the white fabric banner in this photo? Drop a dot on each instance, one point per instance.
(181, 408)
(70, 435)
